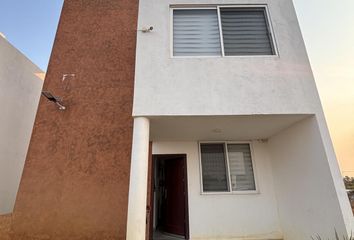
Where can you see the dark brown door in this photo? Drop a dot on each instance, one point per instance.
(174, 214)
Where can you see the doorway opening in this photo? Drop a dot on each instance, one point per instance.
(169, 198)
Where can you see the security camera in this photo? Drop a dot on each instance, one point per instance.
(146, 30)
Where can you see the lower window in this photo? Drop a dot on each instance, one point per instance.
(227, 167)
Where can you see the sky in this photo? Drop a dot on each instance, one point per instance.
(31, 26)
(328, 31)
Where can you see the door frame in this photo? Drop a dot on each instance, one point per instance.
(154, 159)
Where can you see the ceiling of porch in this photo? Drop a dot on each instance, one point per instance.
(199, 128)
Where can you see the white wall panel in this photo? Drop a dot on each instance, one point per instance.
(277, 84)
(20, 89)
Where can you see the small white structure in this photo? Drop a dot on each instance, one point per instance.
(20, 88)
(228, 85)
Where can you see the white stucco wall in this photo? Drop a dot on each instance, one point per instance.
(220, 216)
(310, 199)
(20, 86)
(222, 86)
(216, 86)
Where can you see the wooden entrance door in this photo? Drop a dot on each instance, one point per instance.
(174, 212)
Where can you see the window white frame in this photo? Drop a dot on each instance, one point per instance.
(230, 192)
(217, 7)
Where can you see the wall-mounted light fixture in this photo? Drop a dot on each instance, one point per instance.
(217, 130)
(55, 99)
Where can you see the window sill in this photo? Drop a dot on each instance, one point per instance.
(232, 193)
(226, 57)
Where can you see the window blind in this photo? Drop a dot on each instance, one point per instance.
(196, 33)
(240, 165)
(245, 31)
(217, 176)
(214, 168)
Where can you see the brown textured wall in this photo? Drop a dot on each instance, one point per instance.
(5, 226)
(76, 177)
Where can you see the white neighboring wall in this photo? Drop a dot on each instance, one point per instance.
(20, 88)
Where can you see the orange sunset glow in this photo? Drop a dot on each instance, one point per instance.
(329, 36)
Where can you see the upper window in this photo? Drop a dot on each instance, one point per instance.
(222, 31)
(227, 167)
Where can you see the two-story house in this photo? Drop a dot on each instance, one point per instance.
(195, 119)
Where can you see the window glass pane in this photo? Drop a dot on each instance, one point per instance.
(245, 32)
(196, 33)
(214, 168)
(241, 169)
